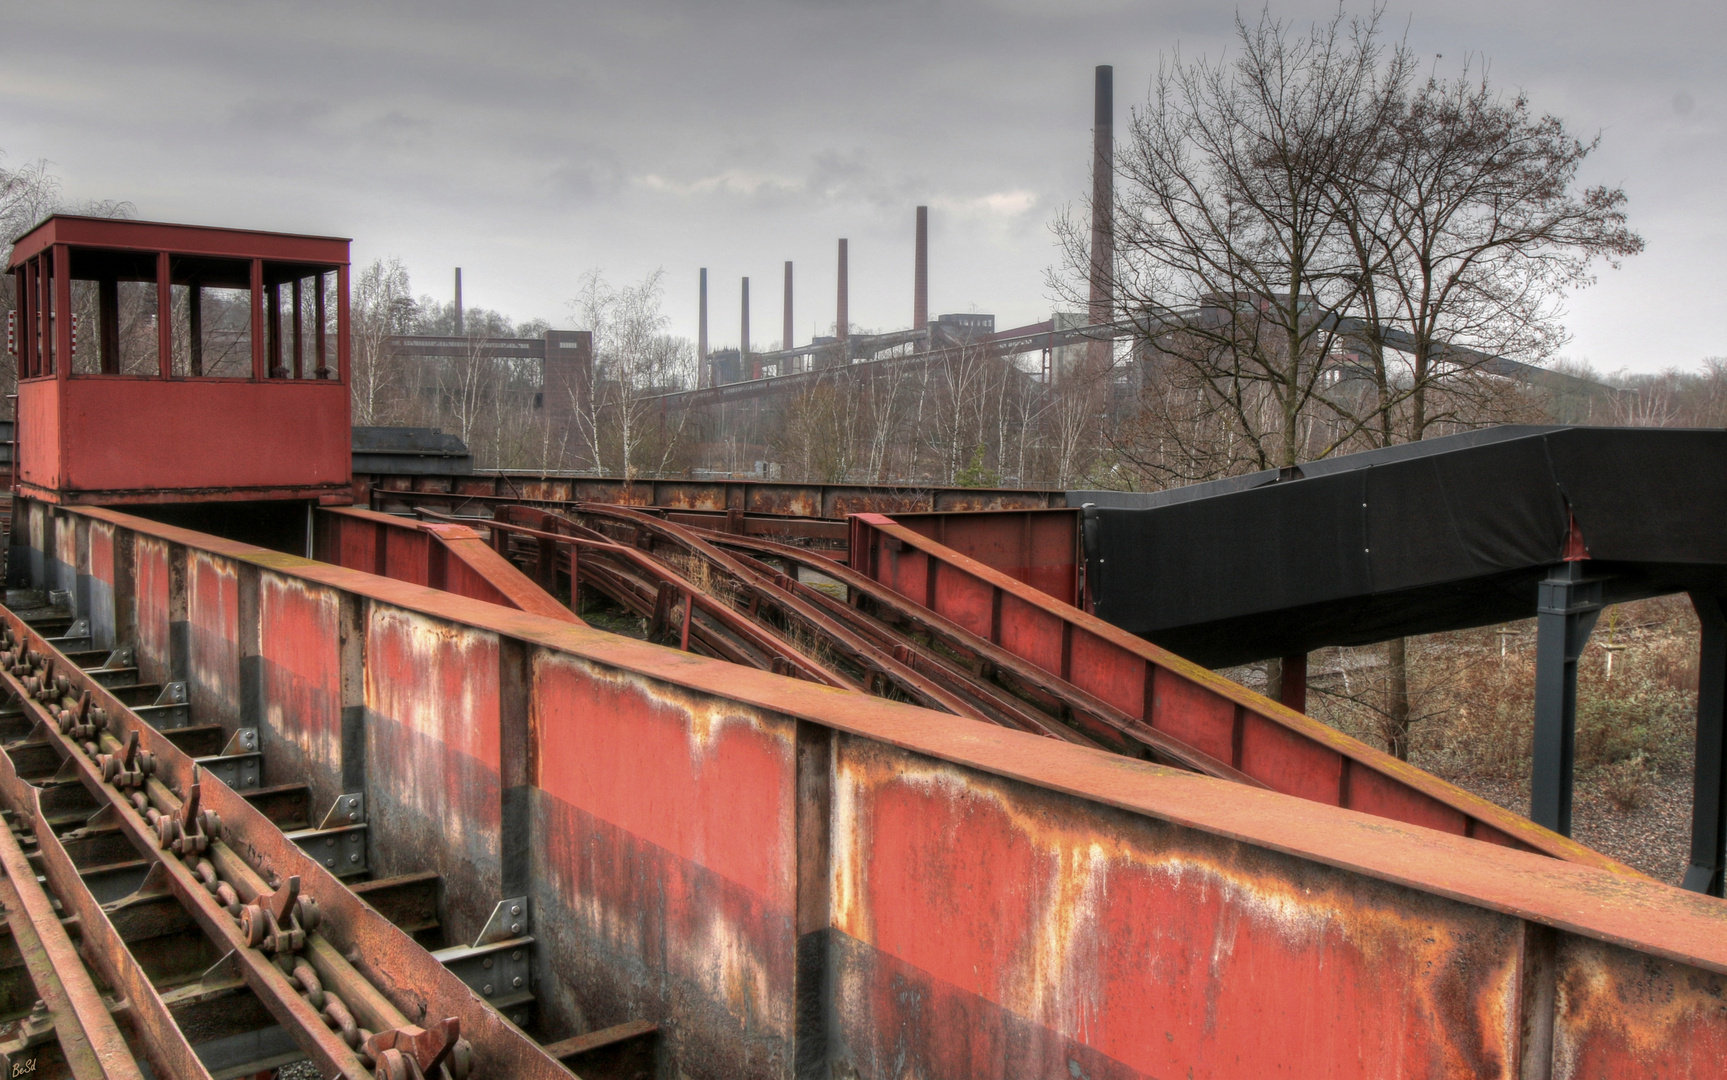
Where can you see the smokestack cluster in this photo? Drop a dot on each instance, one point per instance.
(920, 273)
(459, 331)
(787, 342)
(703, 377)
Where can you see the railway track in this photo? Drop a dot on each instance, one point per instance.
(164, 910)
(748, 604)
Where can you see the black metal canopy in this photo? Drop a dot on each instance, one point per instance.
(1438, 535)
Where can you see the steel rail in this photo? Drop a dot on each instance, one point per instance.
(165, 1046)
(991, 657)
(791, 660)
(877, 663)
(89, 1038)
(826, 530)
(348, 1024)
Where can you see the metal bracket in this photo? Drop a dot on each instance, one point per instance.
(349, 809)
(339, 843)
(240, 772)
(497, 972)
(509, 920)
(123, 657)
(341, 851)
(243, 741)
(79, 631)
(170, 710)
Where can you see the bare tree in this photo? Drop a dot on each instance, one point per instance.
(1322, 252)
(622, 426)
(1230, 256)
(29, 193)
(1468, 227)
(381, 308)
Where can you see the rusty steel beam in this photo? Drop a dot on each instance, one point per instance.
(1293, 753)
(644, 594)
(270, 906)
(882, 669)
(448, 557)
(832, 502)
(993, 659)
(783, 875)
(163, 1044)
(89, 1038)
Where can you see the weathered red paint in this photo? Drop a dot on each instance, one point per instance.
(1282, 964)
(431, 694)
(152, 575)
(300, 672)
(183, 440)
(771, 498)
(161, 438)
(1289, 752)
(452, 558)
(213, 639)
(667, 861)
(995, 902)
(1039, 547)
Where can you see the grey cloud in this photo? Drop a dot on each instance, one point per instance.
(530, 140)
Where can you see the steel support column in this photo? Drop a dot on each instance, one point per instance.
(1709, 790)
(1567, 606)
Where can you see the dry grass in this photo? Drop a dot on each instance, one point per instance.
(1472, 693)
(1472, 710)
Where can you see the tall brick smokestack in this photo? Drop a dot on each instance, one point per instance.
(920, 273)
(842, 318)
(702, 333)
(1103, 197)
(786, 343)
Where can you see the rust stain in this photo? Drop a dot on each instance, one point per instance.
(1102, 936)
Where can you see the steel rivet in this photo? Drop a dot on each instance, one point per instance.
(517, 955)
(329, 841)
(517, 983)
(515, 909)
(331, 863)
(488, 990)
(487, 962)
(354, 858)
(515, 928)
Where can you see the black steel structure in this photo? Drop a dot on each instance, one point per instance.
(1469, 530)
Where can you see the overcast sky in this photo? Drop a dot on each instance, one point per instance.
(531, 142)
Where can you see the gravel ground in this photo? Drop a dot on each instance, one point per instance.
(1654, 838)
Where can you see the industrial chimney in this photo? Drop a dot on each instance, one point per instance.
(842, 318)
(787, 343)
(459, 331)
(1103, 198)
(702, 374)
(744, 333)
(920, 274)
